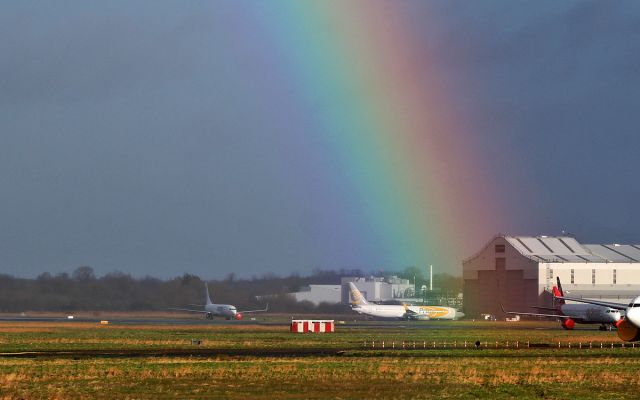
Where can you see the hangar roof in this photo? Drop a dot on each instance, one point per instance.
(567, 249)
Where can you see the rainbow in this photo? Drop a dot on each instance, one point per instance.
(391, 125)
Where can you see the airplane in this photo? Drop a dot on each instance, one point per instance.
(420, 313)
(227, 311)
(629, 325)
(570, 314)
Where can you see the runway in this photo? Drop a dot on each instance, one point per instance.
(277, 321)
(176, 352)
(280, 321)
(136, 321)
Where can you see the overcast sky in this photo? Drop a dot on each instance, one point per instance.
(130, 141)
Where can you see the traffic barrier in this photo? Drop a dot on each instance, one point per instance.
(312, 326)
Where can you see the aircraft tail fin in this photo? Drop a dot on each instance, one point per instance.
(558, 292)
(206, 288)
(356, 297)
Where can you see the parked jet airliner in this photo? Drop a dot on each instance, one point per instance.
(360, 305)
(219, 310)
(572, 313)
(629, 326)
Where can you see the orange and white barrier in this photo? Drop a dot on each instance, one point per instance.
(312, 326)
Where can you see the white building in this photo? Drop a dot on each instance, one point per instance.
(517, 271)
(319, 294)
(377, 288)
(373, 289)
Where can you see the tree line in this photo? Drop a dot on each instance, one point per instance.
(82, 290)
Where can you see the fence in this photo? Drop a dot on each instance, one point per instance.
(409, 345)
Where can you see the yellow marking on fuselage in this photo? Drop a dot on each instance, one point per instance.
(435, 312)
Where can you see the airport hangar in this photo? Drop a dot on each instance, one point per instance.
(520, 271)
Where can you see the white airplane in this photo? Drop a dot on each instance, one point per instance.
(570, 314)
(423, 313)
(629, 326)
(219, 310)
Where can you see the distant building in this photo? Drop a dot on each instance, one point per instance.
(374, 289)
(518, 272)
(319, 294)
(378, 289)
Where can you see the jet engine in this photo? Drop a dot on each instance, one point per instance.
(627, 331)
(568, 324)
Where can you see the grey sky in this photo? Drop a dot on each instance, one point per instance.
(154, 137)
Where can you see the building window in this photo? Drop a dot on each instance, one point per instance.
(593, 276)
(573, 276)
(551, 273)
(615, 277)
(499, 248)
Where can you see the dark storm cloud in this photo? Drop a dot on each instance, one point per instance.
(550, 90)
(122, 144)
(163, 139)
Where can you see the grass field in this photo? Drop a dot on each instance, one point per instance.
(259, 362)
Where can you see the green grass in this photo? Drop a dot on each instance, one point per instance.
(355, 372)
(70, 336)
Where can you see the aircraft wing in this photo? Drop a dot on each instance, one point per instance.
(544, 308)
(411, 314)
(617, 306)
(189, 310)
(407, 310)
(250, 311)
(534, 314)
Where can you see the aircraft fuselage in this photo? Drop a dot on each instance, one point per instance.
(590, 314)
(221, 310)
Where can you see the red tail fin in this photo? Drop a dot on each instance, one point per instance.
(560, 287)
(557, 292)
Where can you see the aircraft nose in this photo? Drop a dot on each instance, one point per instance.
(633, 316)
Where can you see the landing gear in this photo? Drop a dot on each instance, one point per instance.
(605, 327)
(209, 316)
